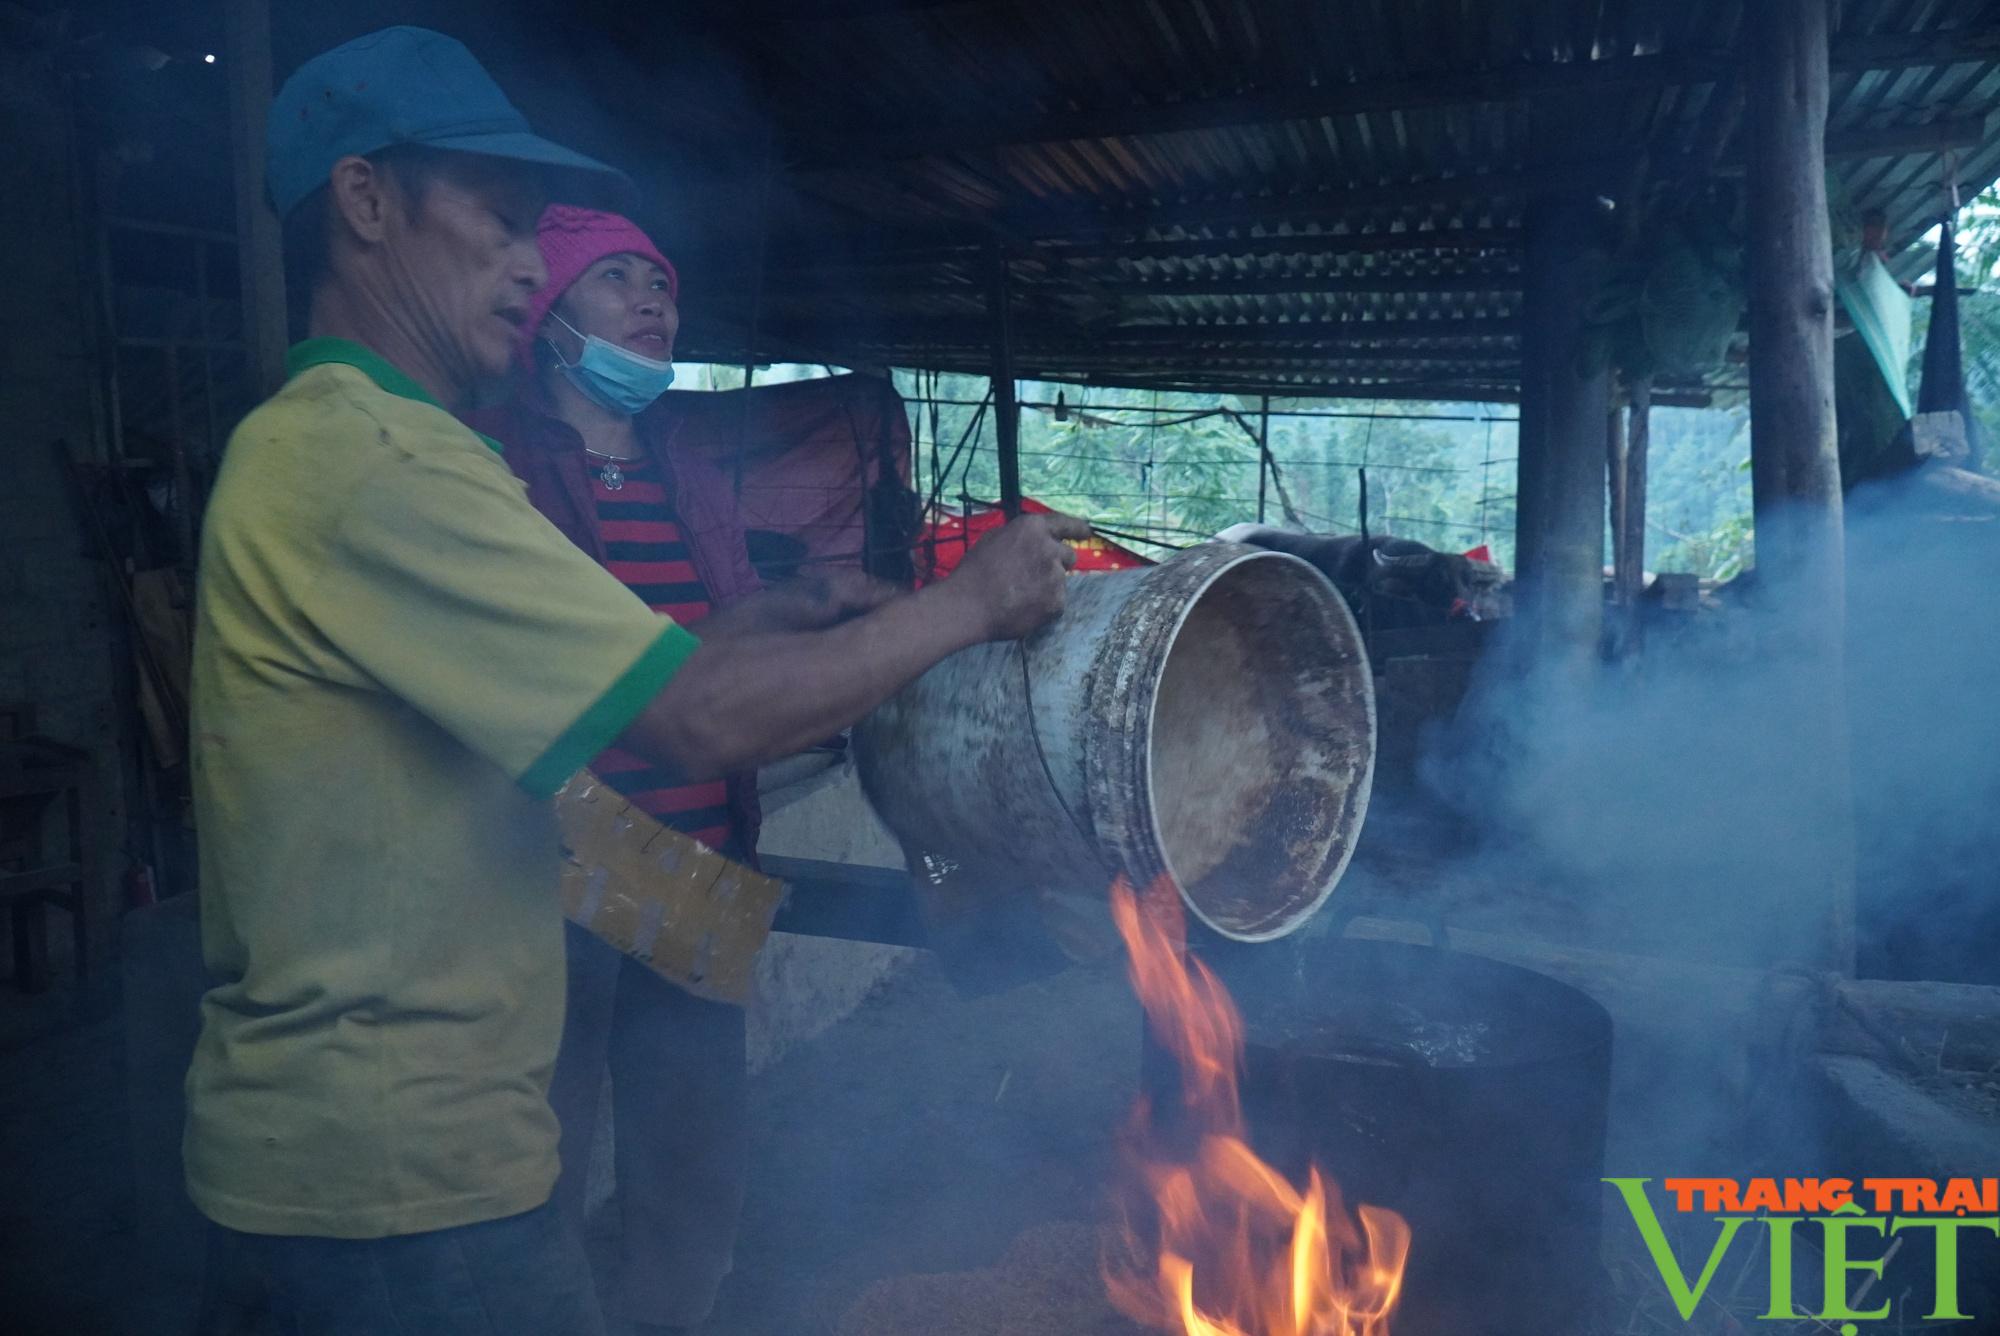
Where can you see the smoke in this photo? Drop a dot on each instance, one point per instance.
(1689, 804)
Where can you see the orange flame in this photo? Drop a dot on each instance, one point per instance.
(1235, 1249)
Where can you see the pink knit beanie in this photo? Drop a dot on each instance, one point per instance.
(574, 239)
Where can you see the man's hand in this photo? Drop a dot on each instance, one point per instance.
(1014, 576)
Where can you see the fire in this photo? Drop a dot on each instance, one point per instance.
(1217, 1242)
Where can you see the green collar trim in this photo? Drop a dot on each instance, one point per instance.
(386, 374)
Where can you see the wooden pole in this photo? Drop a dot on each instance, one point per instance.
(1795, 466)
(1006, 410)
(1614, 462)
(259, 250)
(1559, 539)
(1631, 431)
(1263, 453)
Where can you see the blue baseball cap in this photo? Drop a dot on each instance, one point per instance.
(409, 86)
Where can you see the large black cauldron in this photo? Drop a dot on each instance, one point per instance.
(1466, 1094)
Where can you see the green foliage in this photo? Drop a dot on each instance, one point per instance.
(1176, 468)
(1698, 492)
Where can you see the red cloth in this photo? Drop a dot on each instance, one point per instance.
(943, 543)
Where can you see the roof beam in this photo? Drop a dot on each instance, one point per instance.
(868, 270)
(818, 146)
(1321, 205)
(1246, 285)
(1079, 355)
(1291, 246)
(1958, 132)
(972, 334)
(810, 284)
(1435, 392)
(1419, 328)
(1031, 361)
(1416, 391)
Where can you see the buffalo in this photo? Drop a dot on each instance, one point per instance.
(1391, 583)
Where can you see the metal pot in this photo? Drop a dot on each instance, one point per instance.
(1468, 1095)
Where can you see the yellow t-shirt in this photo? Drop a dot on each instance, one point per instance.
(397, 662)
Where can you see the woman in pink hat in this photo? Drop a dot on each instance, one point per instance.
(586, 432)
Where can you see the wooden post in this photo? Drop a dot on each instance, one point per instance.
(1794, 462)
(1559, 539)
(1006, 411)
(1638, 441)
(259, 249)
(1795, 466)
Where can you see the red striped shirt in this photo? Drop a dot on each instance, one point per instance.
(644, 548)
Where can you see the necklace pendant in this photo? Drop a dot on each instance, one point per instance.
(611, 476)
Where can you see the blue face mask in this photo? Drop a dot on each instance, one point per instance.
(613, 377)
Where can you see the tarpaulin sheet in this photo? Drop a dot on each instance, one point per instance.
(943, 543)
(1880, 310)
(823, 469)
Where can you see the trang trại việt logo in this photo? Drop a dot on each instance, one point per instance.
(1847, 1216)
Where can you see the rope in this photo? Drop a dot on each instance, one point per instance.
(1035, 736)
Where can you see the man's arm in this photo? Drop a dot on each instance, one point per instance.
(752, 696)
(805, 603)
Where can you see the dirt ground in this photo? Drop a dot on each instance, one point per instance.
(925, 1133)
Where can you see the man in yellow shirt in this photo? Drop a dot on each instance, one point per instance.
(397, 663)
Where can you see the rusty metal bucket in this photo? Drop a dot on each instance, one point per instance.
(1211, 719)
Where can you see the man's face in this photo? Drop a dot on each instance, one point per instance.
(463, 255)
(624, 299)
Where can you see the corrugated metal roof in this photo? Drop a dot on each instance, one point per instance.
(1274, 194)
